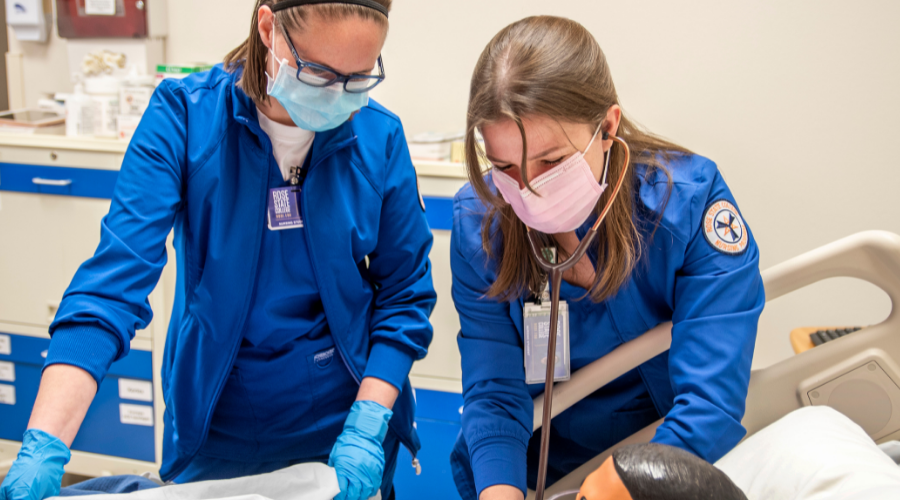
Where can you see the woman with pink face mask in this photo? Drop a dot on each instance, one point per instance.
(673, 246)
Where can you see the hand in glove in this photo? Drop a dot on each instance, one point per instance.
(358, 456)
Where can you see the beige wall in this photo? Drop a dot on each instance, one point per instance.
(796, 101)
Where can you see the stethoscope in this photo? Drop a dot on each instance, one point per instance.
(556, 273)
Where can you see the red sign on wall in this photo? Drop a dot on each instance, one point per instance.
(77, 20)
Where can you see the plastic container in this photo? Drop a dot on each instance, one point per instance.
(179, 71)
(136, 91)
(127, 125)
(431, 146)
(80, 110)
(104, 90)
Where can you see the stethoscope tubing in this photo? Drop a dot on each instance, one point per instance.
(556, 272)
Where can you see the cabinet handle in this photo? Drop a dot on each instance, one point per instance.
(51, 182)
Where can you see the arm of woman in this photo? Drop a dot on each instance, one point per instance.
(399, 328)
(718, 297)
(399, 265)
(107, 299)
(65, 394)
(498, 411)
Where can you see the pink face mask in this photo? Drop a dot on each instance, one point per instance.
(568, 194)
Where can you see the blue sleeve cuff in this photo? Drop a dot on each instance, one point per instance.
(665, 435)
(499, 460)
(389, 362)
(89, 347)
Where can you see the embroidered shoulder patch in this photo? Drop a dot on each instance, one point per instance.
(724, 228)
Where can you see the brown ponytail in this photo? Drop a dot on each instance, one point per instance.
(251, 55)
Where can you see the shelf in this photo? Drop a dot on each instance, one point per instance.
(62, 142)
(440, 169)
(424, 168)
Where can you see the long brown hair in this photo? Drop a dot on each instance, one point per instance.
(251, 55)
(553, 67)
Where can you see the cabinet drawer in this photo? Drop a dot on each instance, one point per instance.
(83, 182)
(48, 239)
(120, 421)
(442, 361)
(34, 151)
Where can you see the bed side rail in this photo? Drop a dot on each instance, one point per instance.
(873, 256)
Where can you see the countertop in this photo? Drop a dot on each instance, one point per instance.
(116, 146)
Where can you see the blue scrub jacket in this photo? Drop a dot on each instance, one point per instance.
(199, 163)
(714, 300)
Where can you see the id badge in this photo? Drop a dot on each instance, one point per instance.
(284, 208)
(537, 339)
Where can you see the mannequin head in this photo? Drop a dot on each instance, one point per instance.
(657, 472)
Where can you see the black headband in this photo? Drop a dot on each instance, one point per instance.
(287, 4)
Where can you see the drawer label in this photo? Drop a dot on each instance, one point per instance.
(5, 345)
(137, 390)
(7, 371)
(136, 414)
(7, 394)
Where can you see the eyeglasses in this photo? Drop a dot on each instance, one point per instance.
(317, 75)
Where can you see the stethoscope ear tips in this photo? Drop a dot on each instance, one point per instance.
(605, 138)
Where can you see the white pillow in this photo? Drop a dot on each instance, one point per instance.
(814, 453)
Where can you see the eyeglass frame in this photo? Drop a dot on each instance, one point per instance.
(340, 77)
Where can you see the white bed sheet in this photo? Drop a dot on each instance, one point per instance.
(312, 481)
(814, 453)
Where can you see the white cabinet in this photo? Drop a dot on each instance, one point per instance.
(440, 370)
(54, 191)
(31, 258)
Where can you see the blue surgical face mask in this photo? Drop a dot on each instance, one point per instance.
(312, 108)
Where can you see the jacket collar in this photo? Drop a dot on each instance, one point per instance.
(324, 144)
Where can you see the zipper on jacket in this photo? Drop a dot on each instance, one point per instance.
(235, 348)
(337, 343)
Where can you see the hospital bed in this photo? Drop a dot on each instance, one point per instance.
(858, 374)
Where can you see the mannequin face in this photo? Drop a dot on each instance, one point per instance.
(604, 484)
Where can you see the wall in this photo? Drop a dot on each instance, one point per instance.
(796, 102)
(4, 47)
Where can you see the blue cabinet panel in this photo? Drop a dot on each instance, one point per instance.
(102, 431)
(24, 349)
(138, 364)
(85, 182)
(439, 212)
(33, 350)
(438, 405)
(436, 480)
(438, 423)
(15, 417)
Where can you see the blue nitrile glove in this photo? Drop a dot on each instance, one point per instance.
(38, 470)
(358, 456)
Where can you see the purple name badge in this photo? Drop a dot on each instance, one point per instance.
(284, 208)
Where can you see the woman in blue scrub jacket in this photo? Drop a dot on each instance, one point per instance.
(674, 247)
(304, 286)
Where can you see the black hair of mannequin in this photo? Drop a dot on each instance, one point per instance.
(653, 471)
